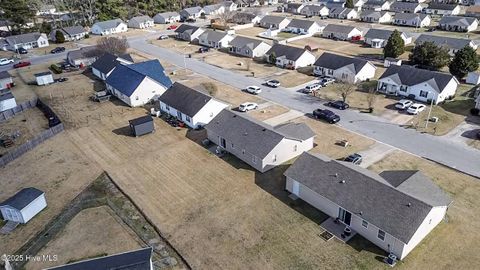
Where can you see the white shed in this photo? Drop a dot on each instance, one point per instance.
(392, 61)
(473, 78)
(44, 78)
(24, 205)
(7, 100)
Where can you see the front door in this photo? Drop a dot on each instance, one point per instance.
(223, 143)
(344, 216)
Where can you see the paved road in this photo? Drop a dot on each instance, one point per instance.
(442, 150)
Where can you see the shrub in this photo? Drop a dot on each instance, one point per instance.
(56, 69)
(475, 111)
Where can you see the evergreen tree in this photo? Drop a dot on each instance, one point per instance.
(272, 58)
(59, 37)
(17, 12)
(430, 56)
(349, 4)
(395, 45)
(464, 61)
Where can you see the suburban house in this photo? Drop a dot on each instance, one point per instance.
(7, 100)
(214, 9)
(334, 4)
(109, 27)
(71, 33)
(214, 39)
(372, 16)
(139, 83)
(412, 19)
(315, 10)
(6, 80)
(420, 84)
(24, 205)
(395, 210)
(274, 22)
(289, 57)
(132, 260)
(166, 17)
(304, 27)
(245, 18)
(191, 13)
(105, 64)
(294, 8)
(342, 32)
(344, 68)
(249, 47)
(26, 41)
(405, 7)
(442, 9)
(343, 13)
(458, 23)
(46, 10)
(259, 145)
(190, 106)
(84, 56)
(377, 5)
(141, 22)
(230, 5)
(473, 11)
(453, 44)
(188, 32)
(377, 38)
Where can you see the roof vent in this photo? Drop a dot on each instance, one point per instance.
(336, 174)
(409, 204)
(264, 129)
(360, 213)
(234, 115)
(245, 134)
(342, 182)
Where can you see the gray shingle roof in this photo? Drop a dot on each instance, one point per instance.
(409, 16)
(22, 198)
(107, 62)
(109, 24)
(338, 28)
(192, 10)
(132, 260)
(168, 14)
(302, 24)
(6, 94)
(185, 99)
(408, 75)
(313, 8)
(363, 193)
(214, 36)
(457, 20)
(243, 17)
(289, 52)
(241, 42)
(252, 135)
(378, 33)
(335, 61)
(74, 30)
(23, 38)
(404, 6)
(449, 42)
(141, 19)
(84, 52)
(186, 28)
(4, 75)
(442, 6)
(272, 19)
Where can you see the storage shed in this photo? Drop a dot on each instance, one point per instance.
(473, 78)
(44, 78)
(7, 100)
(142, 125)
(6, 81)
(24, 205)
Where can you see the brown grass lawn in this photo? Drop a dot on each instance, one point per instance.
(251, 32)
(241, 65)
(293, 78)
(268, 112)
(452, 243)
(91, 233)
(338, 47)
(178, 46)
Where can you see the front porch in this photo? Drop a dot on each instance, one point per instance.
(337, 229)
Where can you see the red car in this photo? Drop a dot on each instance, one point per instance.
(21, 64)
(172, 27)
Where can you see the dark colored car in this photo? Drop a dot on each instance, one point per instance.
(22, 64)
(203, 49)
(354, 158)
(62, 79)
(190, 20)
(338, 104)
(58, 50)
(326, 115)
(21, 51)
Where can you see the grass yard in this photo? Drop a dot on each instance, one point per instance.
(285, 35)
(178, 46)
(251, 32)
(93, 232)
(454, 242)
(268, 112)
(293, 78)
(241, 65)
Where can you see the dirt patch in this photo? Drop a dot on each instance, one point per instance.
(268, 112)
(293, 78)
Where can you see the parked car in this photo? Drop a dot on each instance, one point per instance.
(273, 83)
(203, 49)
(163, 37)
(62, 79)
(338, 104)
(172, 27)
(416, 108)
(326, 81)
(21, 51)
(22, 64)
(247, 106)
(57, 50)
(5, 61)
(190, 20)
(311, 87)
(326, 115)
(253, 89)
(354, 158)
(403, 104)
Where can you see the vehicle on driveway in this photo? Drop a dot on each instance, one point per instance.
(416, 108)
(5, 61)
(326, 115)
(172, 27)
(57, 50)
(203, 49)
(21, 51)
(62, 79)
(338, 104)
(247, 106)
(22, 64)
(162, 37)
(252, 89)
(311, 87)
(191, 20)
(354, 158)
(403, 104)
(326, 81)
(273, 83)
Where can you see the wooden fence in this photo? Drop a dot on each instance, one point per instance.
(5, 115)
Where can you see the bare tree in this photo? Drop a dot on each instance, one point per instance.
(226, 17)
(248, 64)
(371, 98)
(346, 89)
(113, 45)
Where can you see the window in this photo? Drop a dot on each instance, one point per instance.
(381, 235)
(243, 151)
(167, 107)
(187, 118)
(365, 223)
(233, 146)
(403, 88)
(295, 147)
(423, 93)
(136, 98)
(274, 158)
(179, 115)
(254, 159)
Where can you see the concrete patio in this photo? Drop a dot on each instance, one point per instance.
(337, 229)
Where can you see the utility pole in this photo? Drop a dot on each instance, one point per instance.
(429, 112)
